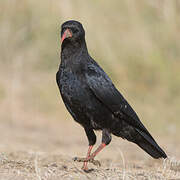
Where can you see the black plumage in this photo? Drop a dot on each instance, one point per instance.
(93, 100)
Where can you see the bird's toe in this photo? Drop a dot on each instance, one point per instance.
(79, 159)
(90, 160)
(95, 162)
(85, 169)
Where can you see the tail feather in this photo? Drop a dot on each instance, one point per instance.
(149, 145)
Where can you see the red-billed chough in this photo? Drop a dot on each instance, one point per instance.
(92, 99)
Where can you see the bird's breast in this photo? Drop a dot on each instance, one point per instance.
(74, 90)
(81, 101)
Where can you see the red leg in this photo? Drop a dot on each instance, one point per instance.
(91, 157)
(88, 155)
(97, 151)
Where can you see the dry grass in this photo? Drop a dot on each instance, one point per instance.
(137, 42)
(42, 154)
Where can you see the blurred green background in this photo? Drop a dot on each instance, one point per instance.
(137, 42)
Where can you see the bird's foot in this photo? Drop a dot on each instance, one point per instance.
(95, 162)
(91, 160)
(85, 169)
(78, 159)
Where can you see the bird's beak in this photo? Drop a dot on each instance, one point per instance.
(67, 33)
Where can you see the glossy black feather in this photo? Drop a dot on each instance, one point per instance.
(93, 100)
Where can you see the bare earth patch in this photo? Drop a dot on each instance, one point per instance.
(45, 152)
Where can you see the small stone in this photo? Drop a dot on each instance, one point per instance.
(54, 165)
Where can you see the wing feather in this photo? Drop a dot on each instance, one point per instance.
(103, 88)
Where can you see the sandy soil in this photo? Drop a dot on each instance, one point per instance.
(45, 150)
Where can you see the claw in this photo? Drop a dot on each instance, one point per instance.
(78, 159)
(95, 162)
(87, 170)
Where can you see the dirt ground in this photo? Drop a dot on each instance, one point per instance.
(45, 150)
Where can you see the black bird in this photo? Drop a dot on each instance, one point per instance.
(92, 99)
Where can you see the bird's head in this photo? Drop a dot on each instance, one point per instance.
(72, 32)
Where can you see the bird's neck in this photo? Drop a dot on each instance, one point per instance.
(72, 50)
